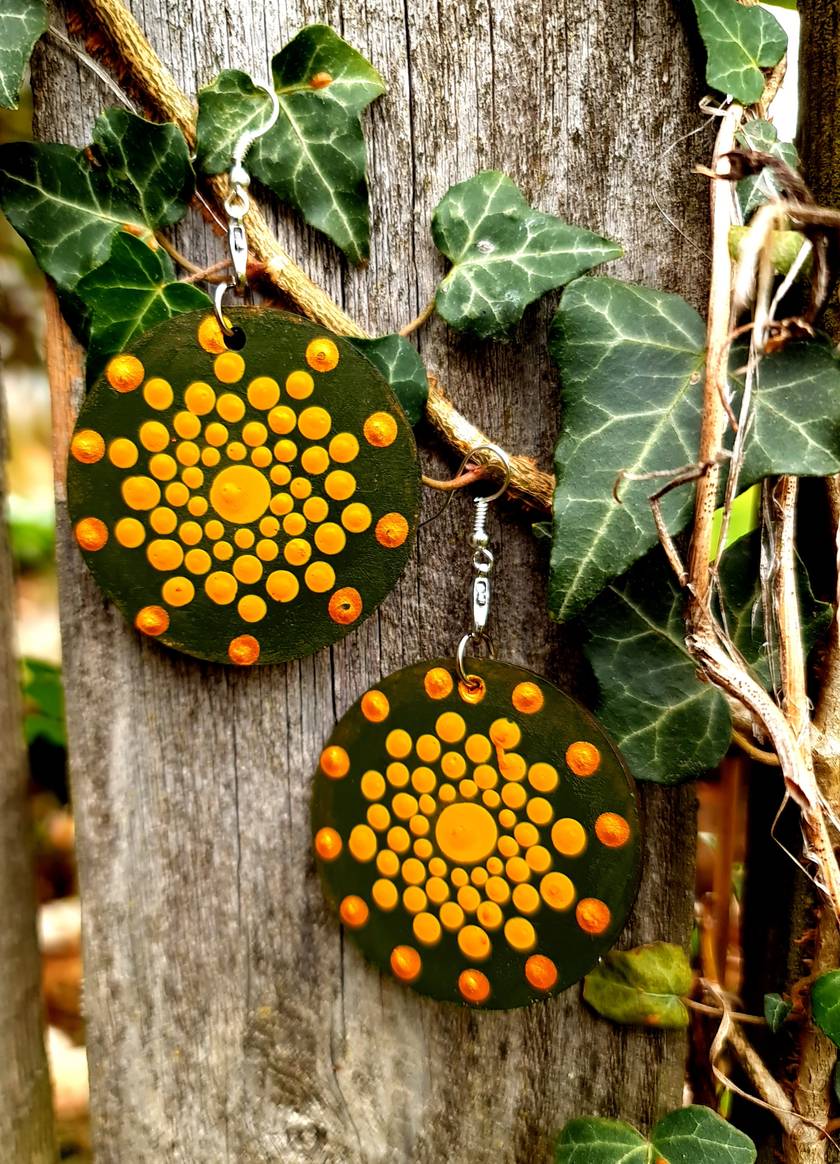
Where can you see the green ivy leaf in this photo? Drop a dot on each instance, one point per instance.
(690, 1135)
(22, 22)
(43, 691)
(314, 157)
(131, 292)
(631, 362)
(760, 135)
(669, 726)
(740, 42)
(645, 985)
(68, 208)
(399, 362)
(504, 254)
(776, 1010)
(825, 1004)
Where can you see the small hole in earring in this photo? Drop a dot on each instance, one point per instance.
(235, 342)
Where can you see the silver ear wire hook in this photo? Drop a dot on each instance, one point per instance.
(237, 205)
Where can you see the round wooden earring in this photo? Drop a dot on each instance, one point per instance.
(480, 842)
(248, 500)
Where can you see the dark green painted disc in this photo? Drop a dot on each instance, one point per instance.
(481, 845)
(248, 505)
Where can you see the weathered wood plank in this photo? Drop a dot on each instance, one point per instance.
(26, 1119)
(227, 1018)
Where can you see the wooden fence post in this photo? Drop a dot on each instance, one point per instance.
(227, 1018)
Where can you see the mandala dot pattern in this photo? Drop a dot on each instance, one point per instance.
(244, 506)
(480, 843)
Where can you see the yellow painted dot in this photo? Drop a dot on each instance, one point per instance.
(398, 743)
(297, 552)
(526, 899)
(152, 620)
(478, 749)
(466, 833)
(330, 538)
(269, 526)
(229, 367)
(122, 453)
(251, 608)
(197, 561)
(266, 550)
(423, 780)
(130, 532)
(214, 529)
(520, 934)
(186, 425)
(254, 433)
(568, 837)
(380, 430)
(583, 758)
(344, 448)
(538, 858)
(190, 533)
(485, 776)
(281, 475)
(299, 385)
(263, 393)
(398, 839)
(162, 466)
(507, 818)
(539, 809)
(356, 517)
(414, 899)
(163, 520)
(384, 894)
(517, 870)
(397, 774)
(300, 487)
(387, 863)
(339, 484)
(215, 433)
(87, 446)
(497, 889)
(230, 407)
(285, 450)
(220, 587)
(405, 963)
(422, 847)
(543, 777)
(248, 569)
(391, 530)
(474, 943)
(557, 890)
(282, 420)
(437, 682)
(328, 844)
(188, 453)
(541, 972)
(281, 503)
(240, 494)
(505, 734)
(282, 586)
(453, 765)
(314, 460)
(468, 789)
(437, 867)
(154, 436)
(91, 533)
(210, 457)
(236, 451)
(593, 916)
(451, 915)
(494, 866)
(362, 843)
(177, 494)
(345, 605)
(413, 871)
(404, 805)
(314, 422)
(243, 650)
(514, 795)
(157, 393)
(526, 834)
(164, 554)
(508, 846)
(197, 506)
(244, 539)
(469, 898)
(428, 804)
(428, 748)
(177, 591)
(294, 524)
(491, 798)
(322, 354)
(375, 706)
(489, 916)
(450, 727)
(199, 398)
(373, 785)
(612, 830)
(223, 551)
(478, 875)
(261, 457)
(512, 766)
(124, 373)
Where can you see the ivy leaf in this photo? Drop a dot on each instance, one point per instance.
(68, 205)
(22, 22)
(825, 1004)
(314, 156)
(399, 362)
(645, 985)
(760, 135)
(135, 289)
(776, 1010)
(690, 1135)
(631, 362)
(669, 726)
(504, 254)
(740, 42)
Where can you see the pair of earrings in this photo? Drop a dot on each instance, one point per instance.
(245, 487)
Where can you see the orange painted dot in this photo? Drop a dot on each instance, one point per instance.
(526, 834)
(236, 451)
(437, 890)
(468, 789)
(428, 748)
(438, 683)
(459, 877)
(398, 839)
(300, 487)
(282, 586)
(282, 420)
(384, 893)
(466, 833)
(583, 758)
(164, 554)
(178, 591)
(186, 425)
(423, 848)
(163, 520)
(130, 532)
(240, 494)
(339, 484)
(450, 727)
(210, 457)
(568, 837)
(426, 929)
(380, 430)
(330, 538)
(612, 830)
(248, 569)
(474, 986)
(437, 867)
(478, 748)
(189, 454)
(244, 650)
(251, 608)
(344, 448)
(158, 393)
(497, 889)
(378, 817)
(391, 530)
(356, 517)
(269, 526)
(514, 795)
(423, 780)
(507, 818)
(353, 911)
(428, 805)
(469, 898)
(220, 587)
(593, 916)
(124, 373)
(254, 433)
(446, 794)
(320, 80)
(230, 407)
(243, 539)
(538, 858)
(87, 446)
(210, 335)
(281, 503)
(489, 915)
(505, 734)
(229, 367)
(494, 866)
(154, 436)
(122, 453)
(508, 846)
(387, 863)
(397, 774)
(474, 943)
(404, 805)
(197, 561)
(451, 916)
(91, 533)
(335, 762)
(526, 899)
(214, 529)
(398, 743)
(472, 689)
(362, 842)
(199, 398)
(527, 698)
(294, 524)
(414, 899)
(453, 765)
(197, 506)
(223, 551)
(557, 890)
(322, 354)
(520, 934)
(299, 385)
(263, 393)
(375, 706)
(314, 422)
(162, 466)
(345, 605)
(539, 809)
(413, 871)
(177, 494)
(491, 798)
(314, 460)
(285, 450)
(327, 844)
(215, 433)
(541, 972)
(512, 766)
(543, 777)
(406, 963)
(517, 870)
(261, 458)
(372, 785)
(152, 620)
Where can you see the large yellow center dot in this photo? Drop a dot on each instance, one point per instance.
(466, 833)
(240, 494)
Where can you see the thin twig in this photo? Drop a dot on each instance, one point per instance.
(717, 1012)
(763, 757)
(176, 255)
(468, 478)
(212, 274)
(420, 319)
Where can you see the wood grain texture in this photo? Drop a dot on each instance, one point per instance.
(26, 1119)
(227, 1018)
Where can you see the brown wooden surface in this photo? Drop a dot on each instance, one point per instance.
(26, 1121)
(227, 1019)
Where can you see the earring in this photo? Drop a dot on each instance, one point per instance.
(243, 485)
(476, 828)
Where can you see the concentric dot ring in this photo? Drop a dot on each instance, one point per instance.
(243, 506)
(482, 843)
